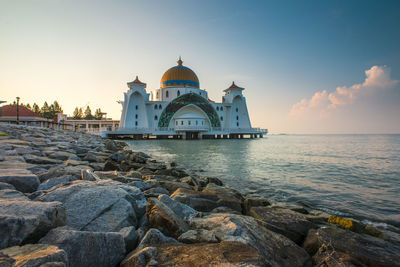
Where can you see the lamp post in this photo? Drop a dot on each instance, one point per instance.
(17, 110)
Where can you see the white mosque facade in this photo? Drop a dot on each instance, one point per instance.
(180, 109)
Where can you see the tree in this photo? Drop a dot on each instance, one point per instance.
(78, 114)
(36, 108)
(98, 114)
(88, 114)
(57, 107)
(45, 111)
(29, 107)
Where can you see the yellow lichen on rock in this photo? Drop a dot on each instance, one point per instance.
(348, 224)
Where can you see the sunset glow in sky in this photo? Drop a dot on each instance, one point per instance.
(306, 66)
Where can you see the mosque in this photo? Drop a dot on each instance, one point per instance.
(180, 109)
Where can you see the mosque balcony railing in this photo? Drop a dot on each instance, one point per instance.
(200, 128)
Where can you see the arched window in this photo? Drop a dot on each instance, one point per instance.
(176, 123)
(181, 122)
(136, 123)
(166, 94)
(217, 108)
(136, 107)
(221, 108)
(190, 122)
(237, 124)
(178, 93)
(222, 118)
(159, 106)
(157, 95)
(197, 122)
(237, 109)
(202, 122)
(237, 118)
(155, 106)
(136, 116)
(155, 117)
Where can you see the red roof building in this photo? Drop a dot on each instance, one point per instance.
(8, 114)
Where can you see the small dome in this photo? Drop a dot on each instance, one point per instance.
(180, 76)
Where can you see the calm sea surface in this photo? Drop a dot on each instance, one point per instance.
(348, 175)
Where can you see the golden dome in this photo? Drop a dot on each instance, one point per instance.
(180, 76)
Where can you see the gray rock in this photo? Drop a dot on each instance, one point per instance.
(23, 221)
(6, 186)
(211, 197)
(155, 192)
(23, 180)
(181, 210)
(134, 174)
(62, 170)
(248, 203)
(198, 236)
(36, 255)
(369, 250)
(130, 238)
(276, 249)
(88, 248)
(58, 181)
(61, 155)
(163, 218)
(104, 206)
(289, 223)
(226, 253)
(154, 237)
(12, 194)
(40, 160)
(141, 185)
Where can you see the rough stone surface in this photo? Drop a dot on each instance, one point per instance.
(154, 237)
(130, 237)
(276, 249)
(369, 250)
(88, 248)
(181, 210)
(23, 221)
(160, 216)
(23, 180)
(6, 186)
(211, 197)
(248, 203)
(103, 206)
(198, 236)
(291, 224)
(39, 160)
(35, 255)
(226, 253)
(56, 182)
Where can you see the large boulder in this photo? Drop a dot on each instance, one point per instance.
(368, 250)
(35, 255)
(24, 221)
(276, 249)
(56, 182)
(163, 218)
(88, 248)
(211, 197)
(226, 253)
(103, 206)
(289, 223)
(22, 179)
(154, 237)
(29, 158)
(181, 210)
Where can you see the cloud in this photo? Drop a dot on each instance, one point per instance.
(377, 78)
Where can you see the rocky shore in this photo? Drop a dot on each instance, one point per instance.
(73, 199)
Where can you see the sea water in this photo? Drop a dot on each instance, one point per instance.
(349, 175)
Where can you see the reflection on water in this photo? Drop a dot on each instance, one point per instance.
(353, 175)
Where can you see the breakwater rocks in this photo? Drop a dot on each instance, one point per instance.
(73, 199)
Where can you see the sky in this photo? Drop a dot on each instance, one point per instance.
(306, 66)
